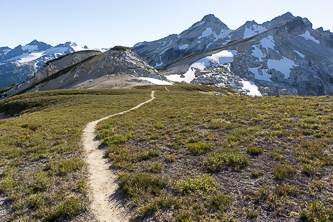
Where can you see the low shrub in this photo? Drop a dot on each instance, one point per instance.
(200, 148)
(231, 158)
(282, 171)
(204, 183)
(254, 150)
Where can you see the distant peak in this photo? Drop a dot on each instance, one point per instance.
(34, 42)
(210, 18)
(287, 14)
(250, 23)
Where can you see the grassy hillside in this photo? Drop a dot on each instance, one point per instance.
(184, 156)
(193, 157)
(41, 160)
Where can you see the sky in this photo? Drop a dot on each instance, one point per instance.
(106, 23)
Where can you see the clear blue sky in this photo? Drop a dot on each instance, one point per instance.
(106, 23)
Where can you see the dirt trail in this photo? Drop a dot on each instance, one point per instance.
(106, 205)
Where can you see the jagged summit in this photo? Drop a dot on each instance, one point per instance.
(296, 25)
(210, 18)
(278, 20)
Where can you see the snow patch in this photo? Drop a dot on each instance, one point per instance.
(257, 52)
(268, 42)
(182, 47)
(253, 30)
(222, 34)
(206, 33)
(308, 36)
(264, 76)
(77, 48)
(159, 64)
(222, 57)
(251, 87)
(164, 51)
(156, 81)
(300, 54)
(284, 65)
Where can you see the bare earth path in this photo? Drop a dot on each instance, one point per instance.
(105, 205)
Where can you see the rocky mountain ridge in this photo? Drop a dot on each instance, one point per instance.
(22, 62)
(119, 67)
(290, 59)
(206, 34)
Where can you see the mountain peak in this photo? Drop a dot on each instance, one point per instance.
(211, 19)
(35, 42)
(278, 20)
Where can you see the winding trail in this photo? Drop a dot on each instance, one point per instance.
(106, 204)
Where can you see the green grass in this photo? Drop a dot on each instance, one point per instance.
(184, 156)
(44, 174)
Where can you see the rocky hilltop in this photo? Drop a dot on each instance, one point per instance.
(289, 59)
(117, 68)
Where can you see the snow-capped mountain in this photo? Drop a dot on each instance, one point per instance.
(23, 61)
(289, 59)
(197, 38)
(206, 34)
